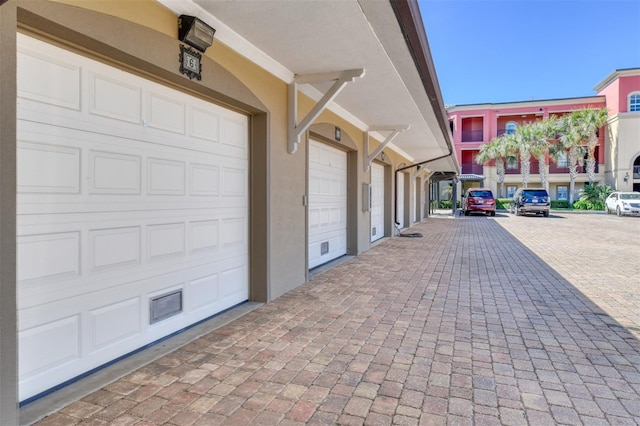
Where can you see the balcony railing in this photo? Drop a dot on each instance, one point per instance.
(471, 168)
(554, 168)
(533, 169)
(472, 135)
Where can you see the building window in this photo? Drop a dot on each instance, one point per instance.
(511, 189)
(512, 163)
(561, 160)
(562, 193)
(634, 102)
(510, 128)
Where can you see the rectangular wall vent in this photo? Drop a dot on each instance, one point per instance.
(324, 248)
(374, 231)
(165, 306)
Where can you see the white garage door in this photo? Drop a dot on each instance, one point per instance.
(327, 203)
(132, 213)
(400, 200)
(377, 201)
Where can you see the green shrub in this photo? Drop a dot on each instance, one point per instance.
(580, 205)
(559, 204)
(503, 203)
(596, 193)
(588, 205)
(446, 204)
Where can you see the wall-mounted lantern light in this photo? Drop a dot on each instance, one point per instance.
(195, 33)
(338, 134)
(626, 177)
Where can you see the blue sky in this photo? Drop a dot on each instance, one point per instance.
(517, 50)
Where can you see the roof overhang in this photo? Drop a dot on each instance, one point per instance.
(628, 72)
(469, 177)
(385, 38)
(527, 104)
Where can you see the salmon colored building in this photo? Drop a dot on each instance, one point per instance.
(617, 154)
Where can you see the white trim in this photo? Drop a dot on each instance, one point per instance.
(635, 92)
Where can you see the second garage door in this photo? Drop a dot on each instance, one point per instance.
(132, 213)
(327, 203)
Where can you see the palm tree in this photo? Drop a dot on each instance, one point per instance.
(525, 139)
(569, 144)
(542, 132)
(499, 149)
(588, 122)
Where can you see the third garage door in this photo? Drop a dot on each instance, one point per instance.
(377, 201)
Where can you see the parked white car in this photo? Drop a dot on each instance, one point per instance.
(623, 203)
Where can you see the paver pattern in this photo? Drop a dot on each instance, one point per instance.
(483, 321)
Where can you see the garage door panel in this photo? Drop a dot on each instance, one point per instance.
(114, 173)
(205, 124)
(114, 248)
(39, 70)
(39, 170)
(166, 114)
(58, 260)
(204, 179)
(54, 255)
(165, 177)
(203, 293)
(111, 179)
(140, 190)
(165, 241)
(114, 323)
(48, 346)
(114, 99)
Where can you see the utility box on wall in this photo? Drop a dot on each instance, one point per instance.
(366, 197)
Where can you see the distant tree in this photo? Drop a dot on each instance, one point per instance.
(525, 139)
(541, 133)
(569, 145)
(587, 122)
(500, 149)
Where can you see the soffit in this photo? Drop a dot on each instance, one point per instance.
(316, 36)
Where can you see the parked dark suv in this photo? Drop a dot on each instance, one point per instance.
(530, 200)
(479, 200)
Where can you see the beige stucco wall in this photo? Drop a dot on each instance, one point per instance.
(8, 316)
(623, 140)
(281, 215)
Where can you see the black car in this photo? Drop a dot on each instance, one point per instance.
(530, 200)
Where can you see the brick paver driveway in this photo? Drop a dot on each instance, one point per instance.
(506, 320)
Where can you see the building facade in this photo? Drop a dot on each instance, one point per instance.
(617, 154)
(143, 192)
(621, 90)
